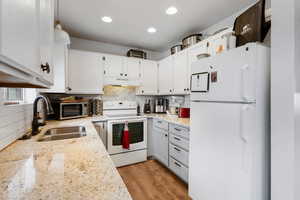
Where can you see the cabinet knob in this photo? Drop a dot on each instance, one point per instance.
(166, 135)
(170, 90)
(125, 74)
(184, 89)
(45, 68)
(69, 89)
(142, 91)
(187, 89)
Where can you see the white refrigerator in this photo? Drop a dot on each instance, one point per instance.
(230, 125)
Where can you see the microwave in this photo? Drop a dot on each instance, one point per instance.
(70, 110)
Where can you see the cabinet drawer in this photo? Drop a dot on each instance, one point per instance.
(179, 169)
(178, 130)
(161, 124)
(178, 141)
(179, 154)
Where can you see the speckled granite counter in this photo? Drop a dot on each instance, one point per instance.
(172, 119)
(67, 169)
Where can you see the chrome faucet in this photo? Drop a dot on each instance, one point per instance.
(35, 121)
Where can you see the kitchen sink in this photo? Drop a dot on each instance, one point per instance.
(63, 133)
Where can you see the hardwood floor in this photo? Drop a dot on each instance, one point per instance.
(152, 181)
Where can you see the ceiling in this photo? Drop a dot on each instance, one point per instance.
(131, 18)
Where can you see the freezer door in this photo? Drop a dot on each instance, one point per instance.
(231, 76)
(226, 153)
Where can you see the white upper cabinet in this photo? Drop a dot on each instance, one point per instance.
(60, 61)
(165, 76)
(180, 73)
(132, 68)
(149, 74)
(85, 72)
(47, 38)
(114, 68)
(19, 41)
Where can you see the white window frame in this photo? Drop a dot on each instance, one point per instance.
(11, 102)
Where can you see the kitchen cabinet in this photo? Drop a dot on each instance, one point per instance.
(60, 62)
(20, 34)
(113, 67)
(85, 72)
(149, 75)
(26, 29)
(46, 38)
(161, 145)
(165, 76)
(180, 73)
(132, 68)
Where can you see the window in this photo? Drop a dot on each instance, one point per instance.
(14, 95)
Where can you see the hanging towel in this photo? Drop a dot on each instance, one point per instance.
(126, 137)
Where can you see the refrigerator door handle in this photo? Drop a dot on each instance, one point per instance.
(243, 135)
(244, 88)
(244, 126)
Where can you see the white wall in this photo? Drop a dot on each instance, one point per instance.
(282, 100)
(88, 45)
(15, 120)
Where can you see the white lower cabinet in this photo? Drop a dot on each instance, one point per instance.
(84, 72)
(170, 149)
(179, 169)
(160, 144)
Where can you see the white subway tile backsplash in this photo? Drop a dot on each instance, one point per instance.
(15, 120)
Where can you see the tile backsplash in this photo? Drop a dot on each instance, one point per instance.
(15, 120)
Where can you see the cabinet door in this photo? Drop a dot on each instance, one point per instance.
(85, 72)
(19, 42)
(113, 66)
(148, 77)
(161, 146)
(132, 68)
(180, 73)
(47, 37)
(165, 76)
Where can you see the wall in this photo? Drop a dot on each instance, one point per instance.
(297, 100)
(282, 100)
(88, 45)
(15, 120)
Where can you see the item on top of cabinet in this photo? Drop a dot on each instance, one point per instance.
(173, 110)
(176, 49)
(184, 113)
(137, 53)
(147, 107)
(191, 40)
(251, 26)
(223, 41)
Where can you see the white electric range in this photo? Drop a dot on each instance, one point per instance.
(115, 115)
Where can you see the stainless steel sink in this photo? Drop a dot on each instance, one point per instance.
(63, 133)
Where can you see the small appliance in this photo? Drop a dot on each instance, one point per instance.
(70, 110)
(184, 112)
(161, 105)
(95, 107)
(147, 107)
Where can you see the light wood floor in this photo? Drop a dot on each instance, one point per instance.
(152, 181)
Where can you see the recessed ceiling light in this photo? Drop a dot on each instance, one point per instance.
(151, 30)
(171, 10)
(107, 19)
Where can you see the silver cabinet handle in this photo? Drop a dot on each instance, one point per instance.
(159, 122)
(177, 149)
(177, 129)
(176, 138)
(177, 164)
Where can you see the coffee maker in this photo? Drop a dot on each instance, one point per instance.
(161, 105)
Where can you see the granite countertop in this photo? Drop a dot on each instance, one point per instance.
(64, 169)
(172, 119)
(169, 118)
